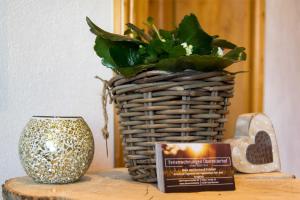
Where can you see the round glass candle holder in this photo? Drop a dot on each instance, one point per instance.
(56, 149)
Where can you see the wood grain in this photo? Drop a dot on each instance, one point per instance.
(116, 184)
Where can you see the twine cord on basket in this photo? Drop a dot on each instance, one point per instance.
(105, 93)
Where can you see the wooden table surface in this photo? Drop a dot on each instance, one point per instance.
(117, 184)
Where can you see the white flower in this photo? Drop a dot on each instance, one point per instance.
(163, 40)
(220, 52)
(140, 46)
(188, 48)
(184, 45)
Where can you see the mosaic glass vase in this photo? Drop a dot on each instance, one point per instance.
(56, 149)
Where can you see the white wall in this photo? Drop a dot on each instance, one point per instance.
(282, 78)
(47, 67)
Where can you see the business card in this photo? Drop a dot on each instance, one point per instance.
(194, 167)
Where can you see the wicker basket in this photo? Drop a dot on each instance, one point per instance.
(157, 106)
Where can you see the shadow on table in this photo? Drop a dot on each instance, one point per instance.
(85, 178)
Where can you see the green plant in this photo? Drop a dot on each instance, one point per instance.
(186, 47)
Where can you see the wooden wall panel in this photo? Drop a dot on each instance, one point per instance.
(229, 19)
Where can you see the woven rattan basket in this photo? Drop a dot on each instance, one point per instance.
(157, 106)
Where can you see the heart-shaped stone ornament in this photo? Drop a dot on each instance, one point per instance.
(261, 151)
(254, 148)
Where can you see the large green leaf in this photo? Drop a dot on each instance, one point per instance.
(190, 31)
(176, 51)
(102, 47)
(236, 54)
(125, 56)
(109, 36)
(117, 54)
(223, 44)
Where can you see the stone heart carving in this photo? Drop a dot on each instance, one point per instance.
(254, 148)
(261, 151)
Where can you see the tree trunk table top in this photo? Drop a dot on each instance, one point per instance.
(116, 184)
